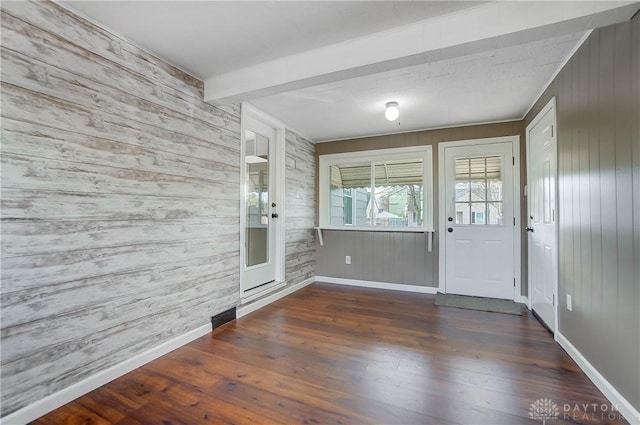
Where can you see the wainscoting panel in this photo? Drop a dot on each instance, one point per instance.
(397, 257)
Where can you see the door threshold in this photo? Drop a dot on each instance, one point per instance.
(260, 291)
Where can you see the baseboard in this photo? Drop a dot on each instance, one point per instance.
(254, 294)
(378, 285)
(523, 300)
(250, 308)
(42, 407)
(624, 407)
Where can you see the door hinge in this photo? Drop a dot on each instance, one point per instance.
(551, 131)
(514, 221)
(514, 282)
(513, 160)
(553, 302)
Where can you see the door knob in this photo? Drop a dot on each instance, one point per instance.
(529, 229)
(274, 215)
(450, 229)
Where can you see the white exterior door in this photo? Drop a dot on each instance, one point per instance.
(541, 204)
(260, 220)
(479, 220)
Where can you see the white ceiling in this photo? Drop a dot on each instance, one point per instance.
(213, 37)
(326, 68)
(497, 85)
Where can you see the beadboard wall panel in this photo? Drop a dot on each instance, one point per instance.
(598, 105)
(397, 257)
(120, 202)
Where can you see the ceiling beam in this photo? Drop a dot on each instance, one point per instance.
(481, 28)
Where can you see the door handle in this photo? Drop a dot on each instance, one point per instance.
(529, 229)
(274, 215)
(450, 229)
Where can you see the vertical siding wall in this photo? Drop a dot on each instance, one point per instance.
(120, 202)
(300, 177)
(401, 257)
(598, 101)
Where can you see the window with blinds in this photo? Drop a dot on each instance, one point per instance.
(388, 188)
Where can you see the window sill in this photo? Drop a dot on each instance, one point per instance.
(429, 232)
(375, 229)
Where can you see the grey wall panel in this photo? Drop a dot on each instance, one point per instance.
(120, 194)
(377, 256)
(405, 258)
(598, 100)
(635, 155)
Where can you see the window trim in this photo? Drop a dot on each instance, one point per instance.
(324, 183)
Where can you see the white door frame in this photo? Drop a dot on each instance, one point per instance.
(442, 223)
(550, 106)
(248, 110)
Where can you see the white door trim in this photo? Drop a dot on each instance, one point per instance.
(517, 261)
(248, 110)
(550, 106)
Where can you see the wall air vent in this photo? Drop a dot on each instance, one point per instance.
(222, 318)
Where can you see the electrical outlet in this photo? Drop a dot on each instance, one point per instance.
(347, 259)
(569, 303)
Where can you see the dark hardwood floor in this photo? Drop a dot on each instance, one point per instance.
(342, 355)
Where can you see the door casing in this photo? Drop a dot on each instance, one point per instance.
(550, 106)
(442, 224)
(252, 113)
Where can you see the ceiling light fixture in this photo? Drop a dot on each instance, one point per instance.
(392, 112)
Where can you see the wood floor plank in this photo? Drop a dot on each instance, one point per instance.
(339, 355)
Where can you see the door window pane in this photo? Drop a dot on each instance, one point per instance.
(494, 211)
(494, 188)
(477, 168)
(463, 194)
(463, 191)
(478, 212)
(463, 212)
(257, 198)
(479, 190)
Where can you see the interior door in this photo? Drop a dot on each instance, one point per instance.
(479, 231)
(541, 203)
(261, 210)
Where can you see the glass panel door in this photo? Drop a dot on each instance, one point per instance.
(479, 220)
(259, 210)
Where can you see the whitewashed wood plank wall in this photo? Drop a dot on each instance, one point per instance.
(300, 177)
(120, 202)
